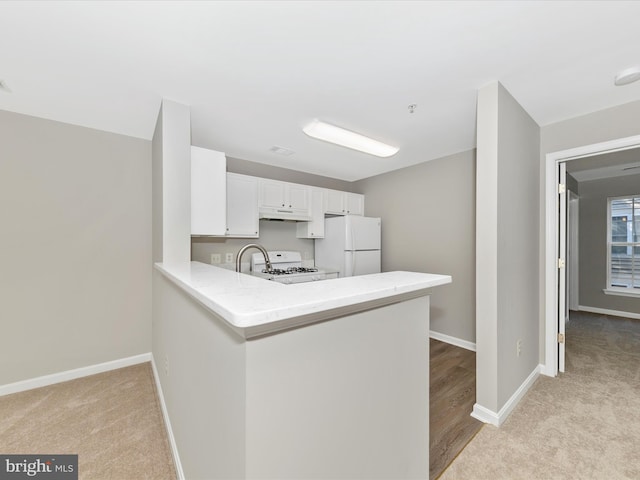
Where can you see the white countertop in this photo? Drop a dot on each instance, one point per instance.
(253, 306)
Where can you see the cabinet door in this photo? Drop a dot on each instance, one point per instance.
(343, 203)
(334, 202)
(314, 228)
(208, 192)
(242, 206)
(272, 193)
(298, 196)
(354, 203)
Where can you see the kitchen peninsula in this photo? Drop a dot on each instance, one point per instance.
(323, 379)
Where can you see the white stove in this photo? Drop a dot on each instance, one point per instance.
(286, 267)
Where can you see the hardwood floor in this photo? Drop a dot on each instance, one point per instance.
(451, 398)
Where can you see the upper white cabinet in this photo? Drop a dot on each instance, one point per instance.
(355, 203)
(208, 192)
(231, 204)
(242, 206)
(314, 228)
(283, 200)
(343, 203)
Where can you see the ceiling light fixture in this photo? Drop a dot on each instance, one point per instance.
(4, 87)
(625, 77)
(349, 139)
(281, 150)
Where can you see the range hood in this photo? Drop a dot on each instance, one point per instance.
(293, 215)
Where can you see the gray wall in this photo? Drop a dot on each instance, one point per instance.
(247, 167)
(273, 235)
(75, 210)
(593, 242)
(428, 225)
(201, 368)
(507, 246)
(518, 248)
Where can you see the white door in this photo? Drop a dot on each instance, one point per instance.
(361, 262)
(562, 257)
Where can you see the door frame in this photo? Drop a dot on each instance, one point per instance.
(552, 162)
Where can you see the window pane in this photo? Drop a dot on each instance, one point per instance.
(619, 229)
(621, 215)
(621, 267)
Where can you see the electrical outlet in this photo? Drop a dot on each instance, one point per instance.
(216, 258)
(519, 347)
(228, 258)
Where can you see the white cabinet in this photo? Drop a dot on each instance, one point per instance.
(343, 203)
(334, 202)
(314, 228)
(208, 192)
(242, 206)
(230, 204)
(283, 200)
(355, 203)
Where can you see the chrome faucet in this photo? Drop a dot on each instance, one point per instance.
(247, 247)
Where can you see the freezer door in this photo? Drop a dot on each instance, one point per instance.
(362, 233)
(361, 262)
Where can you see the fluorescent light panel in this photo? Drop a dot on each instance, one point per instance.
(346, 138)
(627, 76)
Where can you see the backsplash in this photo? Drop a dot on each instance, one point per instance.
(274, 235)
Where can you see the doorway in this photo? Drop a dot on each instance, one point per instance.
(555, 274)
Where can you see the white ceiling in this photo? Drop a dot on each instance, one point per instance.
(254, 73)
(608, 165)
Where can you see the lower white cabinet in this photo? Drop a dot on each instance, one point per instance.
(242, 206)
(314, 228)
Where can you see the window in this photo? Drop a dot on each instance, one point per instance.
(623, 245)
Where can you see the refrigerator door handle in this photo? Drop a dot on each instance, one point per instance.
(353, 265)
(352, 247)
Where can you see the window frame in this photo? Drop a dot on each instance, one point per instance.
(615, 290)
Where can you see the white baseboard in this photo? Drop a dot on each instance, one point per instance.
(72, 374)
(165, 414)
(485, 415)
(453, 340)
(545, 370)
(488, 416)
(605, 311)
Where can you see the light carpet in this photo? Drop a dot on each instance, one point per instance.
(112, 420)
(584, 424)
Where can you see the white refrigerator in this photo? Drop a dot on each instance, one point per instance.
(351, 244)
